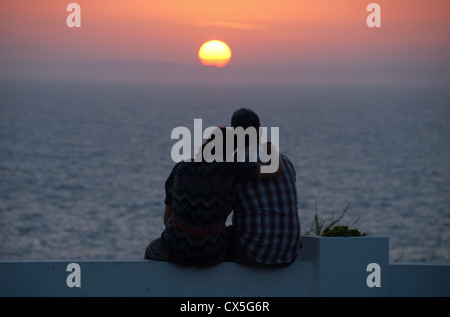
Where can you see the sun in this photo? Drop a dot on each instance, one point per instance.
(214, 53)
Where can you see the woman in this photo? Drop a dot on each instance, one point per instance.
(199, 197)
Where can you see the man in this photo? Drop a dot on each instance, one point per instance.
(266, 228)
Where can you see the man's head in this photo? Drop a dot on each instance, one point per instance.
(243, 122)
(245, 118)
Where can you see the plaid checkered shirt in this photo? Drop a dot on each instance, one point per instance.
(266, 219)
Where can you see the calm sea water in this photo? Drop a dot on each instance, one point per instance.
(83, 166)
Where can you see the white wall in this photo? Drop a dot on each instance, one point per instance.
(326, 267)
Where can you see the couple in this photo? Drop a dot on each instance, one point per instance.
(265, 230)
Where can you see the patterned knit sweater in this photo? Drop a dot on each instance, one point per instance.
(201, 196)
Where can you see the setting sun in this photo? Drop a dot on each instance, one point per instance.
(215, 53)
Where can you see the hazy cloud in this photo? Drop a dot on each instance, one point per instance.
(232, 25)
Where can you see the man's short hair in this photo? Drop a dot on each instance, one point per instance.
(245, 118)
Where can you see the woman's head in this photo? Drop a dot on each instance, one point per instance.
(215, 146)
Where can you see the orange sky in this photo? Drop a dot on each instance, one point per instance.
(258, 31)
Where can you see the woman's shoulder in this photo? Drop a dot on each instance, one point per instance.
(187, 163)
(192, 167)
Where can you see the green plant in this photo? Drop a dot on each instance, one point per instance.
(318, 224)
(342, 231)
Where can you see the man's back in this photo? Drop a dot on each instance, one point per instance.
(266, 219)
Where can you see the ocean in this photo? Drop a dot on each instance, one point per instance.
(83, 165)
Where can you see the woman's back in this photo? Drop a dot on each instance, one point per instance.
(201, 195)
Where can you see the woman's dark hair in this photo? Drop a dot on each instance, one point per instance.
(224, 140)
(245, 118)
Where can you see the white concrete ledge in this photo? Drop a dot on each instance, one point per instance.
(419, 279)
(326, 267)
(149, 278)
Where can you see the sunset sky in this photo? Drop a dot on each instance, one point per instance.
(315, 36)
